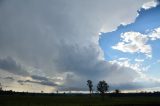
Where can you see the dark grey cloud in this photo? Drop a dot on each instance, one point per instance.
(45, 78)
(83, 62)
(63, 88)
(10, 65)
(60, 38)
(127, 86)
(9, 78)
(135, 85)
(36, 77)
(47, 83)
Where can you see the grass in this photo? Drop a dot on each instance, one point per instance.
(78, 101)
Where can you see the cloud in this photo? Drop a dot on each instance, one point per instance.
(83, 65)
(56, 80)
(47, 83)
(127, 86)
(36, 77)
(136, 42)
(136, 86)
(150, 4)
(123, 59)
(139, 83)
(127, 63)
(155, 34)
(158, 61)
(139, 60)
(10, 65)
(9, 78)
(133, 42)
(59, 37)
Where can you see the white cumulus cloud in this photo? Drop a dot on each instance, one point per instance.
(155, 34)
(133, 42)
(150, 4)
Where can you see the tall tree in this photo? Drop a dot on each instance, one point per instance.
(90, 86)
(102, 87)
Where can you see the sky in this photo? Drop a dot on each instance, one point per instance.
(50, 45)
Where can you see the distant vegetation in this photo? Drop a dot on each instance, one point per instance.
(10, 98)
(117, 91)
(101, 98)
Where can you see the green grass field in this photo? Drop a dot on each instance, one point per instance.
(78, 101)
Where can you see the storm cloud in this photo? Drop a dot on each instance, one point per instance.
(10, 65)
(60, 39)
(47, 83)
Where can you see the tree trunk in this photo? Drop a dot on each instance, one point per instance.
(103, 96)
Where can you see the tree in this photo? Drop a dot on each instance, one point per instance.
(117, 91)
(90, 85)
(102, 87)
(0, 87)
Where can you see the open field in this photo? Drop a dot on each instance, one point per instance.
(78, 100)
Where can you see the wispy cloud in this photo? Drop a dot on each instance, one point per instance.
(139, 60)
